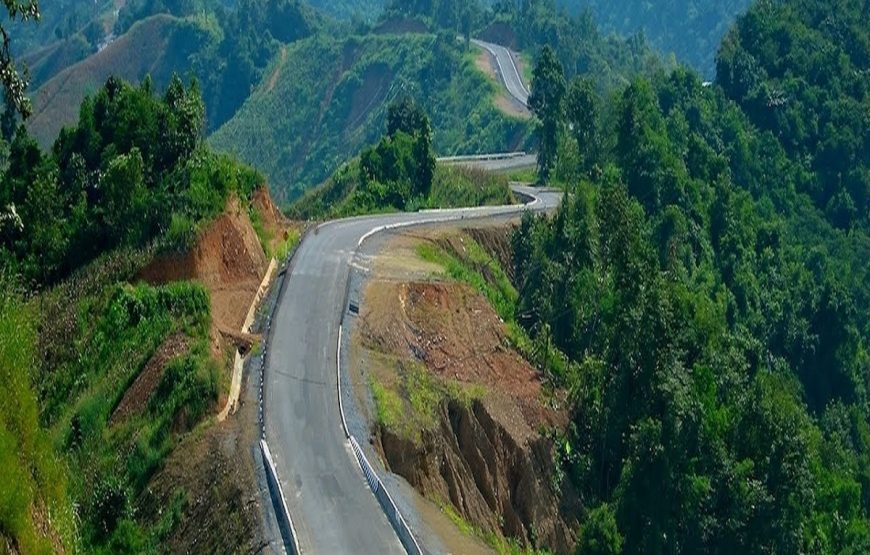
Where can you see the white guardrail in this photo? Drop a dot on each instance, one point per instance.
(481, 157)
(403, 531)
(280, 502)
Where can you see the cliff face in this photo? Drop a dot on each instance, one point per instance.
(494, 481)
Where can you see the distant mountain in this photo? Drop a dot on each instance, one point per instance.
(225, 49)
(323, 100)
(691, 29)
(158, 46)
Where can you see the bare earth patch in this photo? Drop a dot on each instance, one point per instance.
(467, 432)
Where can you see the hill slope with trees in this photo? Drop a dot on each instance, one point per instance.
(327, 99)
(691, 29)
(737, 422)
(131, 179)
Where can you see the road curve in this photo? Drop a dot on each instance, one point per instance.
(332, 508)
(507, 69)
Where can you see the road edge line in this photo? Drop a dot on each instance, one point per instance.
(275, 485)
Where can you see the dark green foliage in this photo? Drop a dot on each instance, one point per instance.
(800, 69)
(131, 170)
(545, 101)
(716, 327)
(599, 535)
(402, 165)
(581, 114)
(691, 29)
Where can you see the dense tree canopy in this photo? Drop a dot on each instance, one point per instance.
(801, 70)
(545, 101)
(132, 170)
(709, 312)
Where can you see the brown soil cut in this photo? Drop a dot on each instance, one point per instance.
(228, 260)
(488, 457)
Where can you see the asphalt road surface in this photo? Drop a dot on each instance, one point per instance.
(507, 68)
(332, 507)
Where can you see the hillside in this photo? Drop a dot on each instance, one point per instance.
(130, 256)
(691, 29)
(365, 10)
(324, 100)
(158, 46)
(727, 221)
(226, 49)
(801, 70)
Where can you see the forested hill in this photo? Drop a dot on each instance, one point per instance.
(691, 29)
(338, 89)
(734, 234)
(364, 10)
(801, 70)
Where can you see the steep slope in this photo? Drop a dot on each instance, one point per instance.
(158, 46)
(328, 99)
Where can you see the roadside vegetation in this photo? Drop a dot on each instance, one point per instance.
(131, 180)
(707, 281)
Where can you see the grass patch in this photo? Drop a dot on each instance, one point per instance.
(410, 406)
(458, 186)
(523, 175)
(388, 406)
(496, 541)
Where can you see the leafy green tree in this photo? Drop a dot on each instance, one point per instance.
(581, 113)
(424, 161)
(13, 83)
(545, 101)
(599, 534)
(405, 115)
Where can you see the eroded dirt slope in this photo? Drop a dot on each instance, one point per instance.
(485, 449)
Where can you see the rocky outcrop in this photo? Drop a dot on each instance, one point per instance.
(495, 480)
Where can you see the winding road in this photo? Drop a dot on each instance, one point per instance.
(332, 507)
(507, 69)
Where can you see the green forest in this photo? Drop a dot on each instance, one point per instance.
(705, 289)
(131, 180)
(690, 29)
(702, 295)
